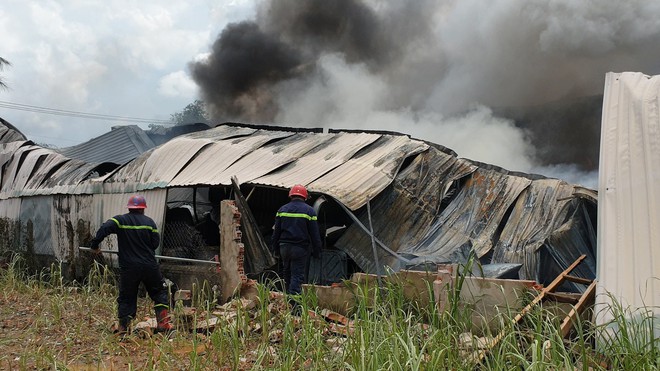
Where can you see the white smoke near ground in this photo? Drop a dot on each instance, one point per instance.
(442, 72)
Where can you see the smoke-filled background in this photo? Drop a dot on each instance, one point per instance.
(511, 83)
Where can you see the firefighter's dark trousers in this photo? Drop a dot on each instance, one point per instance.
(129, 282)
(295, 260)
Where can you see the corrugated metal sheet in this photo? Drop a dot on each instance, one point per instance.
(69, 174)
(7, 151)
(403, 213)
(124, 178)
(534, 216)
(10, 228)
(168, 160)
(8, 133)
(10, 208)
(629, 194)
(209, 164)
(119, 146)
(270, 157)
(105, 206)
(72, 217)
(16, 172)
(221, 132)
(130, 178)
(36, 220)
(366, 175)
(35, 164)
(320, 160)
(470, 221)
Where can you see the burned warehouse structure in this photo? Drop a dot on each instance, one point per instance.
(386, 202)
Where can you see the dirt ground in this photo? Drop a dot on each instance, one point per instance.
(35, 334)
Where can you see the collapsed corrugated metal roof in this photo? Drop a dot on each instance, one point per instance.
(119, 145)
(8, 133)
(441, 208)
(350, 167)
(426, 203)
(29, 169)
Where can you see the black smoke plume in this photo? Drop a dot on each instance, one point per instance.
(525, 77)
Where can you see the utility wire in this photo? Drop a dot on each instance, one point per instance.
(94, 116)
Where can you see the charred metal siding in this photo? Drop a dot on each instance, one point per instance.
(36, 218)
(537, 212)
(10, 211)
(471, 220)
(403, 213)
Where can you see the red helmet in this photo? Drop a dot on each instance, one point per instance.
(137, 202)
(298, 190)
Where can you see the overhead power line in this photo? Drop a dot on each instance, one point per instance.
(93, 116)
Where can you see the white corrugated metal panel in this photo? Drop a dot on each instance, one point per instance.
(209, 164)
(51, 162)
(272, 156)
(29, 166)
(105, 206)
(363, 177)
(7, 151)
(220, 132)
(123, 179)
(629, 192)
(319, 161)
(10, 208)
(37, 165)
(168, 160)
(17, 172)
(130, 178)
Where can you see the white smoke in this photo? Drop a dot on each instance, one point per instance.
(349, 97)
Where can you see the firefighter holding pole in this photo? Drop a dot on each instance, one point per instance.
(137, 239)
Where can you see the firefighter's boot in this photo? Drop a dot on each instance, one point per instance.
(123, 326)
(164, 321)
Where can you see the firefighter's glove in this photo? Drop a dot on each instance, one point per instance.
(95, 248)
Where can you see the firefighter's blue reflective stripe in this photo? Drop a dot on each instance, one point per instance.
(296, 215)
(121, 226)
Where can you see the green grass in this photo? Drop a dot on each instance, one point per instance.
(53, 324)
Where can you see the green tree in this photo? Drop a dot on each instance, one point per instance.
(3, 63)
(193, 113)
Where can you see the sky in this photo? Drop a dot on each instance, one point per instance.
(442, 71)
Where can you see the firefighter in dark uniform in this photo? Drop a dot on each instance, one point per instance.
(138, 238)
(296, 238)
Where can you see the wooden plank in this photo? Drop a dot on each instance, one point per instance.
(551, 287)
(584, 281)
(563, 298)
(587, 297)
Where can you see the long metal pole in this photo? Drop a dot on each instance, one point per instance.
(373, 242)
(174, 258)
